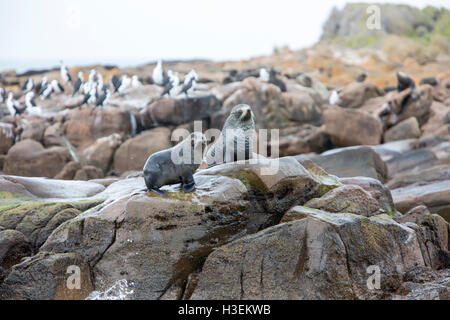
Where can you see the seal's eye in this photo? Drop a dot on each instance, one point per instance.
(239, 113)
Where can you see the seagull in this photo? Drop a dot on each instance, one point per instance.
(32, 109)
(28, 85)
(57, 87)
(65, 76)
(88, 96)
(189, 82)
(334, 98)
(12, 105)
(43, 85)
(264, 75)
(158, 74)
(135, 83)
(77, 85)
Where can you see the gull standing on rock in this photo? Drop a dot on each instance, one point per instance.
(171, 86)
(57, 87)
(264, 75)
(32, 109)
(125, 83)
(43, 85)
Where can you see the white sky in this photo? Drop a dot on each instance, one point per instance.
(36, 32)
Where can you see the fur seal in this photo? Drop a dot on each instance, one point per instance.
(236, 139)
(172, 166)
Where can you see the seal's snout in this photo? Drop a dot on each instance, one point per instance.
(246, 114)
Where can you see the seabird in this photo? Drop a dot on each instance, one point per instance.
(77, 85)
(334, 98)
(361, 78)
(171, 85)
(43, 86)
(102, 98)
(32, 108)
(190, 81)
(28, 85)
(135, 83)
(274, 80)
(115, 81)
(12, 105)
(65, 76)
(88, 96)
(158, 74)
(125, 83)
(264, 75)
(47, 92)
(57, 87)
(2, 95)
(404, 82)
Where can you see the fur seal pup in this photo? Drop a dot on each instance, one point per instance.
(175, 165)
(236, 139)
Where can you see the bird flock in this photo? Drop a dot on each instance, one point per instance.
(94, 90)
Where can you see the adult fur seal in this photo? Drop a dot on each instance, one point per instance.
(175, 165)
(236, 139)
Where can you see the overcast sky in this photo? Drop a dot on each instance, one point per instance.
(34, 33)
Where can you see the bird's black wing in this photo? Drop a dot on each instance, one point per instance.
(116, 83)
(77, 86)
(60, 87)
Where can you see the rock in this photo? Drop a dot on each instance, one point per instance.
(406, 129)
(52, 136)
(348, 198)
(179, 111)
(85, 126)
(390, 150)
(133, 153)
(14, 246)
(375, 188)
(160, 242)
(310, 139)
(49, 188)
(6, 137)
(433, 235)
(438, 289)
(29, 158)
(352, 162)
(137, 98)
(300, 107)
(266, 100)
(47, 277)
(34, 130)
(349, 127)
(69, 171)
(88, 173)
(438, 113)
(322, 256)
(412, 161)
(100, 154)
(356, 93)
(423, 177)
(436, 196)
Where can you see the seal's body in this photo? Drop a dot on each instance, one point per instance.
(236, 139)
(170, 167)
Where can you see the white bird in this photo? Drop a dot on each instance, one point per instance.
(126, 82)
(57, 87)
(158, 74)
(32, 109)
(12, 105)
(65, 76)
(44, 85)
(334, 97)
(264, 75)
(28, 85)
(78, 84)
(47, 92)
(190, 81)
(135, 83)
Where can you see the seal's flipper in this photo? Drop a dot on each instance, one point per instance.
(157, 191)
(188, 184)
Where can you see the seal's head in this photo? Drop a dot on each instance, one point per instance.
(241, 116)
